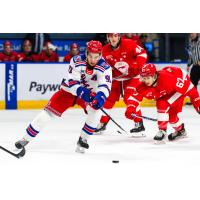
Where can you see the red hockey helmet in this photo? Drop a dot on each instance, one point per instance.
(74, 46)
(148, 70)
(7, 43)
(94, 46)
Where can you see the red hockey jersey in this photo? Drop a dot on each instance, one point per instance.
(13, 57)
(67, 58)
(46, 58)
(126, 60)
(172, 83)
(22, 57)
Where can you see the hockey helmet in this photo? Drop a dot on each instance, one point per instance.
(94, 46)
(148, 70)
(7, 43)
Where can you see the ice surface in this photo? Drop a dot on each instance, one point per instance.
(52, 170)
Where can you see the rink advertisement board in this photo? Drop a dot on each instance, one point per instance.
(11, 85)
(2, 86)
(38, 82)
(31, 85)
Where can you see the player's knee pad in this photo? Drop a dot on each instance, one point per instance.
(42, 119)
(93, 117)
(162, 106)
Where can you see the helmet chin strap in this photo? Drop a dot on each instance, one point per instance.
(155, 80)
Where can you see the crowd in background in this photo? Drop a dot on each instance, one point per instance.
(38, 47)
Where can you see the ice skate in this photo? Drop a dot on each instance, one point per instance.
(178, 134)
(82, 145)
(21, 143)
(100, 129)
(137, 131)
(159, 138)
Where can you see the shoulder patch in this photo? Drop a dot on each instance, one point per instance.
(77, 58)
(103, 64)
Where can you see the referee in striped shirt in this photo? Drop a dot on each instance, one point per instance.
(194, 58)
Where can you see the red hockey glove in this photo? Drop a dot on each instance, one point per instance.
(196, 104)
(130, 110)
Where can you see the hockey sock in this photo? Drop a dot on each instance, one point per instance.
(37, 124)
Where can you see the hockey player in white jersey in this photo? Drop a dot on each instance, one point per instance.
(88, 84)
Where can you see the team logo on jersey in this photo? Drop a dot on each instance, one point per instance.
(77, 58)
(109, 57)
(89, 71)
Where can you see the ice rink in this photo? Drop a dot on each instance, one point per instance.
(52, 170)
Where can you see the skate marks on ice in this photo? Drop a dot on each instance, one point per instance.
(59, 139)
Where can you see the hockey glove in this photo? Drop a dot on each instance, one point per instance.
(98, 100)
(130, 110)
(84, 94)
(196, 104)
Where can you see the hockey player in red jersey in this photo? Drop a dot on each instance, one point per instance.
(49, 54)
(88, 84)
(27, 55)
(74, 51)
(8, 55)
(126, 58)
(134, 37)
(168, 87)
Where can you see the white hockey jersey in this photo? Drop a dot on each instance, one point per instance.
(97, 79)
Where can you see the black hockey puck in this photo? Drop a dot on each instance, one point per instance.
(115, 161)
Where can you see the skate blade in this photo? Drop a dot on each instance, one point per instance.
(80, 149)
(98, 133)
(159, 142)
(178, 138)
(141, 135)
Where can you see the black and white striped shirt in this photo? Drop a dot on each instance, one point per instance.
(194, 52)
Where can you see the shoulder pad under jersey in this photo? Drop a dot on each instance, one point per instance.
(102, 65)
(79, 58)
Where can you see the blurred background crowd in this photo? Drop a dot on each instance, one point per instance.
(60, 47)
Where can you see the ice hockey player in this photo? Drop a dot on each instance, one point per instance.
(74, 51)
(8, 55)
(126, 58)
(168, 87)
(49, 53)
(27, 55)
(87, 74)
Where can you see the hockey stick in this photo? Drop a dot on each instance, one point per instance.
(113, 120)
(17, 155)
(144, 117)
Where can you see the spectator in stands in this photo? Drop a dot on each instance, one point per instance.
(38, 40)
(48, 54)
(74, 50)
(26, 55)
(8, 55)
(194, 58)
(132, 36)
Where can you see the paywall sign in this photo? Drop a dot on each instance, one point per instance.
(11, 87)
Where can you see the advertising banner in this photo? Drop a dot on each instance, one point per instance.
(2, 86)
(39, 81)
(11, 85)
